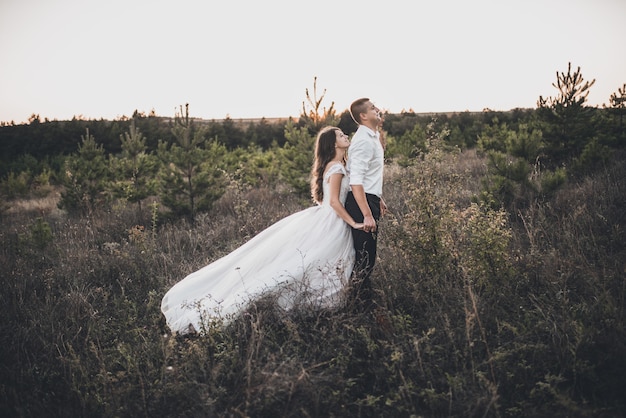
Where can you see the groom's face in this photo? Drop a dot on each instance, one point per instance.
(372, 114)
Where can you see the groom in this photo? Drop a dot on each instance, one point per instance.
(364, 202)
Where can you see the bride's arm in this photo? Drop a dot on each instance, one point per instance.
(336, 204)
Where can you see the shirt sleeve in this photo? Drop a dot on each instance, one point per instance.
(360, 155)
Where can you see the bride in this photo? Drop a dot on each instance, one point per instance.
(306, 257)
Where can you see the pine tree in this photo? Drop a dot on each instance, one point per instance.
(296, 157)
(86, 173)
(192, 176)
(565, 120)
(134, 170)
(315, 116)
(618, 110)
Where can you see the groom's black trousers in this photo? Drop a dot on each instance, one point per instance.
(364, 242)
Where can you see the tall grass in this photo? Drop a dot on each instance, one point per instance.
(478, 312)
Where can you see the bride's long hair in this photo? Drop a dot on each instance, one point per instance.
(324, 153)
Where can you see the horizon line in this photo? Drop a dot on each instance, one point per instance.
(244, 119)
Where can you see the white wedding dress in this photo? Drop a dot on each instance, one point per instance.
(304, 258)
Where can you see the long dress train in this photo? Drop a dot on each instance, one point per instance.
(306, 257)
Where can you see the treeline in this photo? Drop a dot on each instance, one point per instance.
(52, 140)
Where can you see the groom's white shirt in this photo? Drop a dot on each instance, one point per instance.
(366, 160)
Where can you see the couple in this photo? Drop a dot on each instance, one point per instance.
(310, 256)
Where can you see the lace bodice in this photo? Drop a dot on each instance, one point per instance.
(345, 183)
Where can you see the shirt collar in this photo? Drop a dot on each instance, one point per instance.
(373, 134)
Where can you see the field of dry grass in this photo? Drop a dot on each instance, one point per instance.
(479, 312)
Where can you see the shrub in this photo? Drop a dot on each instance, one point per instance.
(16, 185)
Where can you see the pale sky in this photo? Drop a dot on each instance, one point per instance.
(249, 58)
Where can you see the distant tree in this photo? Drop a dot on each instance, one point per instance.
(234, 135)
(526, 143)
(191, 177)
(85, 176)
(513, 163)
(315, 116)
(618, 100)
(406, 147)
(154, 129)
(295, 158)
(265, 134)
(215, 129)
(252, 167)
(34, 119)
(133, 171)
(565, 120)
(618, 110)
(15, 185)
(465, 127)
(347, 124)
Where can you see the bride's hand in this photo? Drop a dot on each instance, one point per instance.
(358, 226)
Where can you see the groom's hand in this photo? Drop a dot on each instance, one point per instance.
(369, 224)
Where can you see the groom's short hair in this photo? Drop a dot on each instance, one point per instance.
(357, 107)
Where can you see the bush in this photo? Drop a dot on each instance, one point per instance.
(16, 185)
